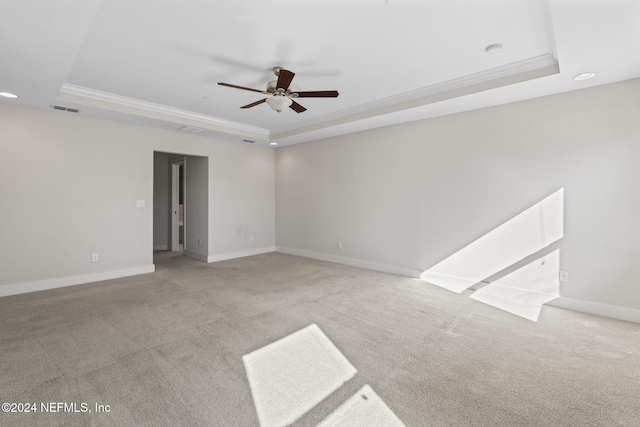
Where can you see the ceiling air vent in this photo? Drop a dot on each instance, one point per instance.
(248, 140)
(191, 129)
(61, 108)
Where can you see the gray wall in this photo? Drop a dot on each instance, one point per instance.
(67, 191)
(161, 202)
(234, 213)
(405, 196)
(196, 175)
(410, 195)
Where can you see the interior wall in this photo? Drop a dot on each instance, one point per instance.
(67, 191)
(410, 195)
(161, 202)
(197, 207)
(241, 221)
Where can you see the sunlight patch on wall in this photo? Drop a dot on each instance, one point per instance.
(519, 237)
(363, 409)
(292, 375)
(524, 291)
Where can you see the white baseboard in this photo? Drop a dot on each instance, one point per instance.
(589, 307)
(60, 282)
(240, 254)
(392, 269)
(160, 247)
(599, 309)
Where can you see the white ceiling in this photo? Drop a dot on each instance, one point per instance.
(157, 62)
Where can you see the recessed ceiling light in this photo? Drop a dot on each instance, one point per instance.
(492, 49)
(273, 143)
(585, 76)
(8, 95)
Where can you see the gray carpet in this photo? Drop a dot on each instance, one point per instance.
(166, 349)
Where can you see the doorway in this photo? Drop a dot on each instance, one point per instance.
(178, 205)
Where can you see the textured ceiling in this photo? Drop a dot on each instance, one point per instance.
(157, 62)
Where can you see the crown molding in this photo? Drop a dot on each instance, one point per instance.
(109, 101)
(517, 72)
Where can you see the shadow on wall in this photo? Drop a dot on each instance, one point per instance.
(292, 375)
(521, 292)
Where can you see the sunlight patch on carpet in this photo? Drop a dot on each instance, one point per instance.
(363, 409)
(292, 375)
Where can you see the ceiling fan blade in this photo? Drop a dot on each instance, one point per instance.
(253, 104)
(317, 94)
(297, 107)
(284, 79)
(241, 87)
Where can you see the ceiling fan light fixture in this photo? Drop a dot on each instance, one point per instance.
(279, 102)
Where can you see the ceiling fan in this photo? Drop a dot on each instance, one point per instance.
(280, 96)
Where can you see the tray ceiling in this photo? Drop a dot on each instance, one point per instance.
(157, 62)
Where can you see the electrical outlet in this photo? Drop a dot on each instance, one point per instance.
(339, 245)
(564, 276)
(95, 258)
(252, 238)
(199, 242)
(140, 203)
